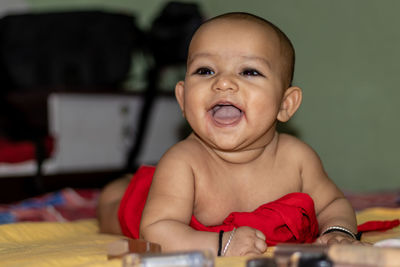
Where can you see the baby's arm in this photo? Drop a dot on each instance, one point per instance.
(334, 211)
(169, 209)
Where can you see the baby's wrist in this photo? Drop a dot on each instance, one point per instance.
(224, 242)
(228, 242)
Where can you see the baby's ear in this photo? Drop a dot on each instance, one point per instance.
(290, 103)
(180, 94)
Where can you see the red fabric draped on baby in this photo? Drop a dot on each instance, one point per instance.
(289, 219)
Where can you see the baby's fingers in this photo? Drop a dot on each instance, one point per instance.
(259, 242)
(260, 245)
(260, 235)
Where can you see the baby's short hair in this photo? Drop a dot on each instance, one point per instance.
(287, 49)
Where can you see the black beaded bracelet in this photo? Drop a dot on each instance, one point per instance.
(221, 233)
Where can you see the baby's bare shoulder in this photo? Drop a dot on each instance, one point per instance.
(184, 148)
(186, 152)
(313, 175)
(291, 145)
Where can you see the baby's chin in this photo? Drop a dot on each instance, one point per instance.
(240, 156)
(219, 143)
(235, 151)
(233, 146)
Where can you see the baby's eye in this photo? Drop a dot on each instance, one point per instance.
(204, 71)
(251, 72)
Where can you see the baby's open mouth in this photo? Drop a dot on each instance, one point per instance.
(226, 114)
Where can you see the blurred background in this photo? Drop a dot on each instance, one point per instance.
(347, 64)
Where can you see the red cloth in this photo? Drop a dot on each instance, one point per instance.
(288, 219)
(15, 152)
(132, 203)
(378, 225)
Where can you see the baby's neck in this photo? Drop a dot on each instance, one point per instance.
(246, 155)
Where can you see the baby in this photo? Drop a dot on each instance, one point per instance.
(235, 164)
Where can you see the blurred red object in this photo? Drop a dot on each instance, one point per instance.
(20, 151)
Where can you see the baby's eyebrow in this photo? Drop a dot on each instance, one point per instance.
(196, 55)
(257, 58)
(245, 57)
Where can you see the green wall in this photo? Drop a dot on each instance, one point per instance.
(347, 65)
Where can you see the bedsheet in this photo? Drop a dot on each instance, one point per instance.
(64, 205)
(71, 204)
(79, 243)
(54, 244)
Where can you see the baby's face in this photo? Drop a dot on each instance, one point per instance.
(233, 89)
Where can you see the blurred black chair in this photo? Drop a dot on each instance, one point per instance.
(62, 51)
(168, 41)
(80, 52)
(85, 49)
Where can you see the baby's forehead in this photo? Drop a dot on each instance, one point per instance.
(234, 24)
(229, 33)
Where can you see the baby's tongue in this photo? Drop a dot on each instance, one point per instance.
(226, 114)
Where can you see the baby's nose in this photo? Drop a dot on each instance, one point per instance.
(225, 82)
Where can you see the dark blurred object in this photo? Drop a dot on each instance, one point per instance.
(314, 260)
(261, 262)
(172, 30)
(84, 49)
(168, 40)
(70, 51)
(61, 51)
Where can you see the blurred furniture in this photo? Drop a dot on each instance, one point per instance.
(41, 54)
(61, 78)
(168, 41)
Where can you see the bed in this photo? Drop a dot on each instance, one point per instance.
(60, 229)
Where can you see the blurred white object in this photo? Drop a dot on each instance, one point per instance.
(179, 259)
(13, 6)
(164, 130)
(92, 132)
(25, 168)
(386, 243)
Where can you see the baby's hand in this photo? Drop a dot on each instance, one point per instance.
(338, 238)
(245, 241)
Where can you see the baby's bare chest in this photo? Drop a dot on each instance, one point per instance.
(218, 193)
